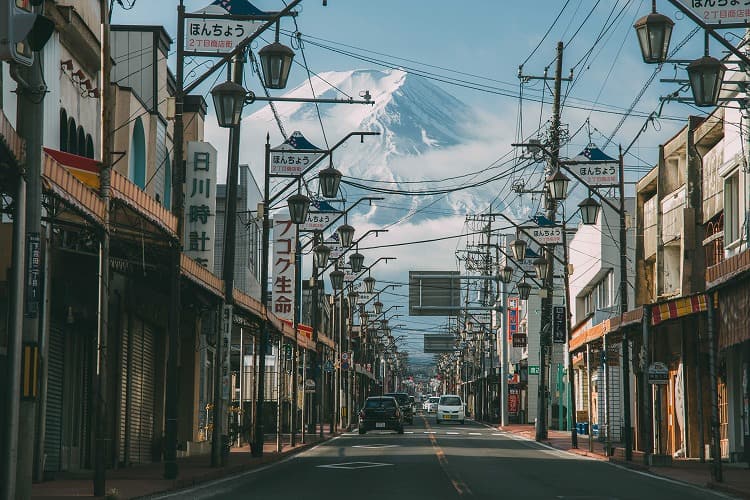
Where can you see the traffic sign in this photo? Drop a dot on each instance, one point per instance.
(328, 366)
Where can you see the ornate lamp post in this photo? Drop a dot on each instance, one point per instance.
(654, 32)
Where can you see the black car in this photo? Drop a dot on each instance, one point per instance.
(381, 412)
(405, 404)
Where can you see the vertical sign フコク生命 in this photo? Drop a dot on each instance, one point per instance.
(284, 242)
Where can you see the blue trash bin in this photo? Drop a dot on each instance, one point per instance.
(585, 428)
(595, 430)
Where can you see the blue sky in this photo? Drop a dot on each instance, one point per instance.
(484, 42)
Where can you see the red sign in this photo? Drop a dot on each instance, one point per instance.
(513, 401)
(513, 317)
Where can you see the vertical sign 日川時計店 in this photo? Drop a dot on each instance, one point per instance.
(200, 209)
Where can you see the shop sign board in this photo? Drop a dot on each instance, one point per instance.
(544, 235)
(284, 243)
(200, 203)
(559, 325)
(533, 369)
(211, 36)
(658, 373)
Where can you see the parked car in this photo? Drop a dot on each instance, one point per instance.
(450, 407)
(405, 404)
(432, 404)
(381, 412)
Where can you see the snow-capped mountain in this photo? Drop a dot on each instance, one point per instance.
(425, 133)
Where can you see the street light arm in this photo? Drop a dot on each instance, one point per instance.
(240, 48)
(339, 215)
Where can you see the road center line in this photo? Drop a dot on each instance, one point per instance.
(458, 484)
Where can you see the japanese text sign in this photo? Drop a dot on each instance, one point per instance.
(218, 36)
(513, 316)
(293, 156)
(559, 325)
(200, 203)
(283, 279)
(545, 235)
(597, 174)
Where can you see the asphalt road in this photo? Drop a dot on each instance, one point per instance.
(432, 461)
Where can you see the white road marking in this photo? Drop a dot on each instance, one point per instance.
(430, 432)
(475, 434)
(353, 465)
(452, 433)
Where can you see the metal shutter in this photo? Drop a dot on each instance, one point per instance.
(53, 420)
(137, 402)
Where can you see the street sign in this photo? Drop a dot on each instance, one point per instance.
(719, 14)
(533, 369)
(658, 373)
(544, 235)
(319, 217)
(328, 366)
(309, 385)
(208, 37)
(595, 167)
(293, 156)
(336, 248)
(364, 297)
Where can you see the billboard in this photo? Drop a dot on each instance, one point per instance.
(434, 293)
(438, 343)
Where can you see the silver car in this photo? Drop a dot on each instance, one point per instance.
(432, 404)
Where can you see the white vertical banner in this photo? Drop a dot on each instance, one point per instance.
(226, 341)
(283, 282)
(200, 203)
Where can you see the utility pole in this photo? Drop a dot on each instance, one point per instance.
(31, 93)
(551, 204)
(171, 469)
(102, 430)
(218, 453)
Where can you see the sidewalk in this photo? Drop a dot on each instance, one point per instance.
(145, 480)
(736, 476)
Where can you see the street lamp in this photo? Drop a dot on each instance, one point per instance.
(524, 290)
(298, 207)
(654, 32)
(275, 61)
(229, 99)
(540, 265)
(506, 274)
(356, 260)
(329, 179)
(589, 211)
(705, 75)
(378, 307)
(369, 283)
(346, 233)
(321, 253)
(519, 249)
(337, 279)
(557, 183)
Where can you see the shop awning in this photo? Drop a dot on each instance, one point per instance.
(84, 169)
(201, 276)
(146, 206)
(678, 308)
(71, 190)
(11, 141)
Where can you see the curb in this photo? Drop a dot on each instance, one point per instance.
(224, 472)
(730, 490)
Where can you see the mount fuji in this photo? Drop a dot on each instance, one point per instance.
(425, 134)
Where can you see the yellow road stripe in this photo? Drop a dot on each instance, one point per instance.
(458, 484)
